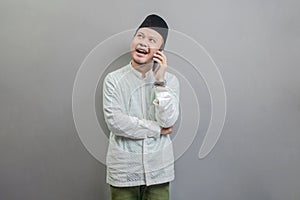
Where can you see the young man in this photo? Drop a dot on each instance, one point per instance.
(141, 105)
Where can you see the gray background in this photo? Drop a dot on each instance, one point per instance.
(255, 44)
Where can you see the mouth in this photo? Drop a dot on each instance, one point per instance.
(141, 51)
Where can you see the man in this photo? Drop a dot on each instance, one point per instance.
(141, 105)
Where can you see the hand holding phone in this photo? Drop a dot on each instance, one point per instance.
(159, 66)
(155, 64)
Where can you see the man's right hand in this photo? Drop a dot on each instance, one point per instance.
(166, 131)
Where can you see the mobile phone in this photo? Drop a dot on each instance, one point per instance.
(155, 64)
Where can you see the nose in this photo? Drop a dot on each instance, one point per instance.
(142, 44)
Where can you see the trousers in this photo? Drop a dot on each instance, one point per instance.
(143, 192)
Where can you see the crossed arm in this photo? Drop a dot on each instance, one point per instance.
(120, 123)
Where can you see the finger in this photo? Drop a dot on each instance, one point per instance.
(166, 130)
(166, 133)
(160, 53)
(158, 56)
(160, 60)
(157, 60)
(162, 57)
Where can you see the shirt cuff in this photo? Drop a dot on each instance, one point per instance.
(162, 97)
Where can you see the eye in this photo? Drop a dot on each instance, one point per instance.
(152, 40)
(139, 35)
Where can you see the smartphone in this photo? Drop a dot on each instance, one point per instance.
(155, 64)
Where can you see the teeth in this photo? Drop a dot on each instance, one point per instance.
(141, 51)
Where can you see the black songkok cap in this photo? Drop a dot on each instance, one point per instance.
(156, 23)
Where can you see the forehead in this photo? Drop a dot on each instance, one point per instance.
(150, 32)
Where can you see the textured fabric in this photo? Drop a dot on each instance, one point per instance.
(135, 111)
(143, 192)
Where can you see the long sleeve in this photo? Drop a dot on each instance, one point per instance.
(135, 111)
(116, 118)
(167, 103)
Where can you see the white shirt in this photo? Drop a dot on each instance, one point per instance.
(135, 110)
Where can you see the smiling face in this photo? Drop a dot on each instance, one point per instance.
(145, 43)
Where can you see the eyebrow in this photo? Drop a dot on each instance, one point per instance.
(153, 37)
(150, 36)
(140, 32)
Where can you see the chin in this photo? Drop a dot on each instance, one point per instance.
(141, 61)
(138, 62)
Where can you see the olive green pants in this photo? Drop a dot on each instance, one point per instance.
(152, 192)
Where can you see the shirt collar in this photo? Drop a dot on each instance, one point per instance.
(148, 76)
(135, 72)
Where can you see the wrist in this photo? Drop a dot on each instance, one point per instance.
(160, 80)
(160, 83)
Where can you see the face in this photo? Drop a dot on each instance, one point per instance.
(145, 43)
